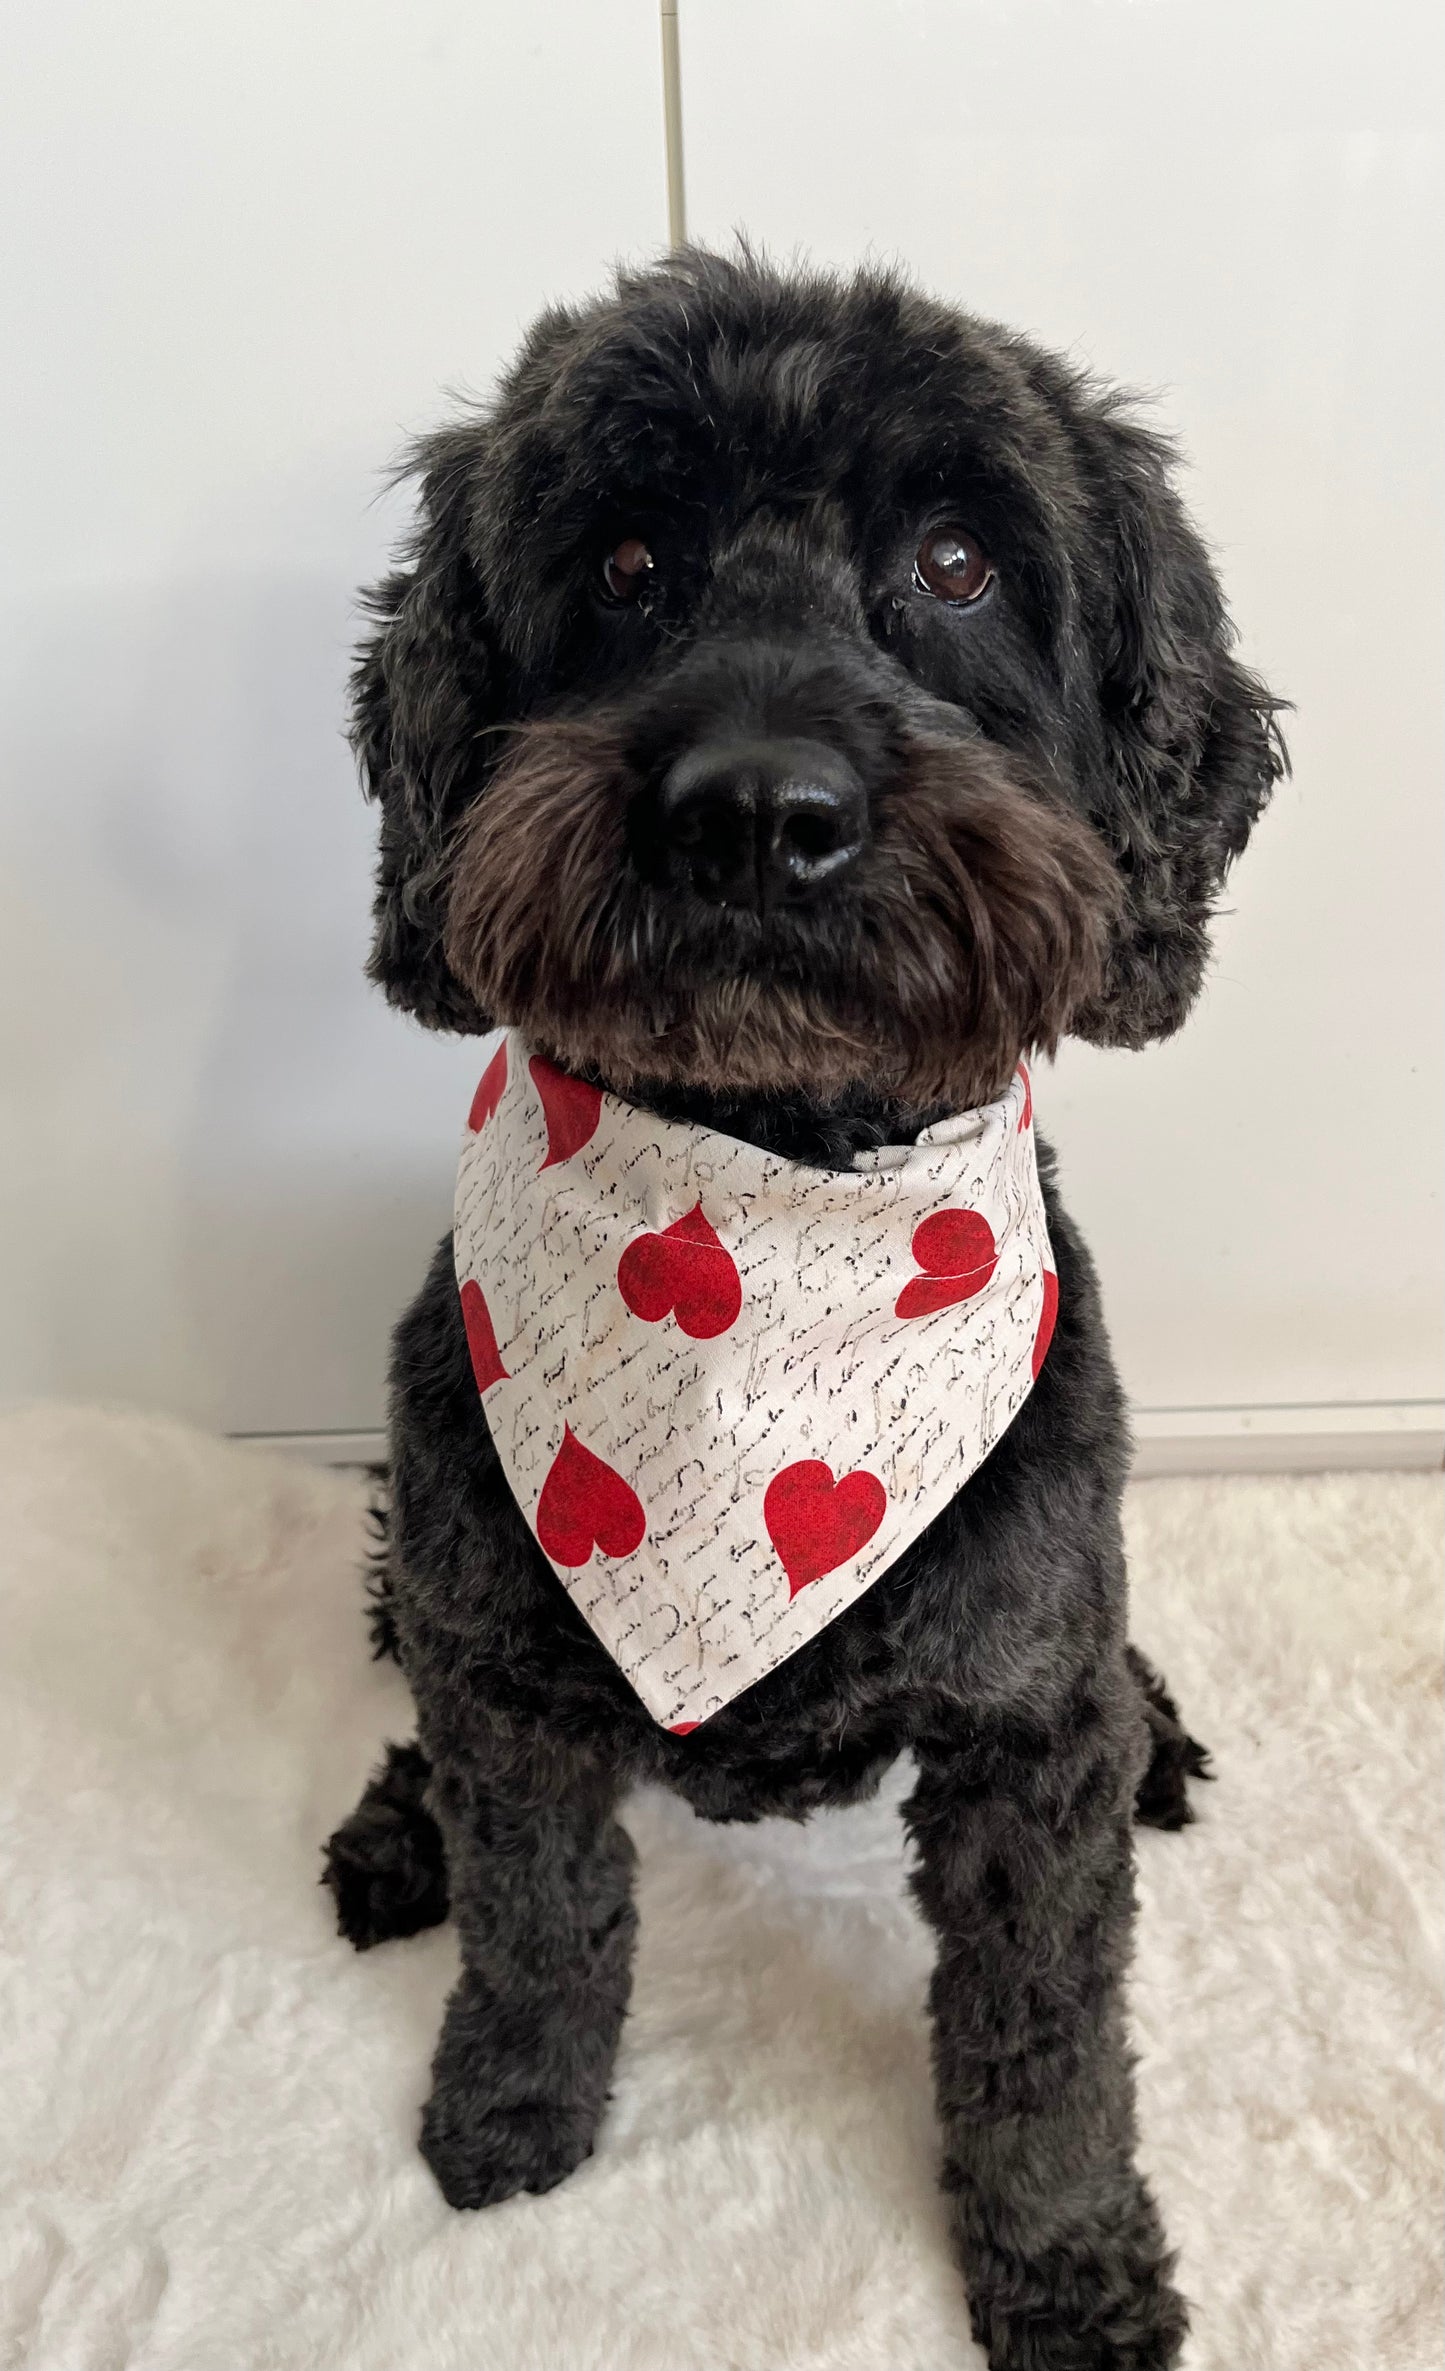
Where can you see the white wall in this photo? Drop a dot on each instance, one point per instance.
(250, 246)
(1234, 203)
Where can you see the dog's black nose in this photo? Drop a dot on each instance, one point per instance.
(760, 823)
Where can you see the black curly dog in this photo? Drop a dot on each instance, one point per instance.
(800, 699)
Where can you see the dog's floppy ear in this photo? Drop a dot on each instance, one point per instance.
(1190, 750)
(423, 691)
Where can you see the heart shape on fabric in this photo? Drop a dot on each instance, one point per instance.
(957, 1253)
(571, 1107)
(481, 1337)
(815, 1523)
(490, 1088)
(686, 1271)
(586, 1505)
(1047, 1316)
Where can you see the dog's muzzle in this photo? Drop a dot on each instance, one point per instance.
(762, 823)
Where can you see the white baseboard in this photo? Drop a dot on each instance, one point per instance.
(1309, 1439)
(1323, 1438)
(320, 1448)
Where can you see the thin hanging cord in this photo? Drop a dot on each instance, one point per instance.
(672, 125)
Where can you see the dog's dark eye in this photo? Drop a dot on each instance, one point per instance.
(627, 568)
(952, 566)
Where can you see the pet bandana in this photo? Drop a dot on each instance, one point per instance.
(727, 1390)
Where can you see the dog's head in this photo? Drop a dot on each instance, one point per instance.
(796, 684)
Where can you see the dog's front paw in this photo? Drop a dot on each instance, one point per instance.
(481, 2158)
(1066, 2313)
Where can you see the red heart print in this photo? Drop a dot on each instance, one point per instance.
(586, 1505)
(572, 1109)
(1028, 1110)
(489, 1089)
(815, 1523)
(1047, 1316)
(481, 1337)
(957, 1253)
(682, 1728)
(687, 1270)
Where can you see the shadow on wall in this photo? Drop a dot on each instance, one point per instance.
(251, 1156)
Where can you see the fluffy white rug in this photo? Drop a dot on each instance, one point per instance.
(209, 2102)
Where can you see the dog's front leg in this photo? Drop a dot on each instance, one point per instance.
(541, 1876)
(1026, 1874)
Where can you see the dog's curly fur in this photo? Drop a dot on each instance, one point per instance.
(1055, 780)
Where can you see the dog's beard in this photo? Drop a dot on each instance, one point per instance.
(973, 928)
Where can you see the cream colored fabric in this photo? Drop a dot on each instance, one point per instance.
(727, 1389)
(207, 2157)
